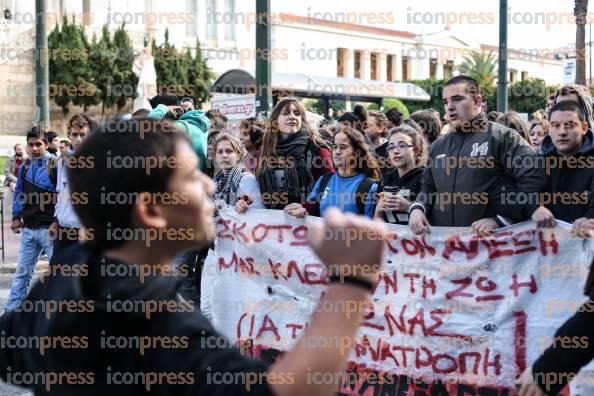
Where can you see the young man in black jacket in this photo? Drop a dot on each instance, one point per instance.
(108, 318)
(568, 151)
(471, 167)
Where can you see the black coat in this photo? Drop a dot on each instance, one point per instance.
(410, 181)
(103, 315)
(570, 184)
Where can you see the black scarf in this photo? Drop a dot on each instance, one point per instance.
(297, 179)
(294, 145)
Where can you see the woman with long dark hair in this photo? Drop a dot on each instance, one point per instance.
(292, 157)
(352, 187)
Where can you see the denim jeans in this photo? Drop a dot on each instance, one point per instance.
(33, 242)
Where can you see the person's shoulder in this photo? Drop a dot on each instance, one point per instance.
(501, 131)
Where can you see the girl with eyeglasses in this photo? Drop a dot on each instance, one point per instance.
(407, 151)
(352, 187)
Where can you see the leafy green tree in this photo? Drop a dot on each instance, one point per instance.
(528, 96)
(317, 106)
(199, 75)
(482, 67)
(390, 103)
(123, 75)
(180, 73)
(435, 90)
(171, 68)
(102, 57)
(69, 70)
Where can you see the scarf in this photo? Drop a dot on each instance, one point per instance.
(228, 184)
(293, 146)
(296, 179)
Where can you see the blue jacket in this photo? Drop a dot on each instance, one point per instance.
(34, 200)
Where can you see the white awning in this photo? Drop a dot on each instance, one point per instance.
(240, 81)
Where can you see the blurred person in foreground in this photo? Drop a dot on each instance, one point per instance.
(195, 363)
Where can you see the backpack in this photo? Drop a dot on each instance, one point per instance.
(360, 195)
(51, 168)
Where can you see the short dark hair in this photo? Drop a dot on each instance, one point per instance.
(493, 115)
(33, 134)
(130, 139)
(568, 105)
(140, 113)
(167, 100)
(255, 129)
(50, 135)
(429, 123)
(394, 116)
(464, 79)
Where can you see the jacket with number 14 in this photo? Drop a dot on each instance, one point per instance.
(473, 173)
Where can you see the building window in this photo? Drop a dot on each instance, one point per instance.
(512, 76)
(448, 70)
(341, 62)
(405, 68)
(390, 67)
(230, 26)
(524, 75)
(432, 68)
(192, 25)
(374, 65)
(357, 60)
(211, 21)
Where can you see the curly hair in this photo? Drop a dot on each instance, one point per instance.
(418, 141)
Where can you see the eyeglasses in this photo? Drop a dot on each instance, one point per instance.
(342, 147)
(399, 146)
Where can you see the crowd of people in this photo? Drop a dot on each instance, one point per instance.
(483, 171)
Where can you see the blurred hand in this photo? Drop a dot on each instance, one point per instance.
(393, 202)
(581, 227)
(53, 230)
(295, 210)
(418, 223)
(175, 111)
(526, 385)
(243, 204)
(484, 226)
(543, 218)
(349, 245)
(16, 226)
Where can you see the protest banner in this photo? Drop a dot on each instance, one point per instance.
(453, 313)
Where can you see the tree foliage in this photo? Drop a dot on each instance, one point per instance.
(481, 66)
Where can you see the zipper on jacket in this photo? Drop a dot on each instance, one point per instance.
(456, 175)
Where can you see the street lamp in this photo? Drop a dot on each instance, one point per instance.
(502, 78)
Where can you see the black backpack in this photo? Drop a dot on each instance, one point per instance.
(360, 195)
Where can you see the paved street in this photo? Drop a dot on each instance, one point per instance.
(6, 390)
